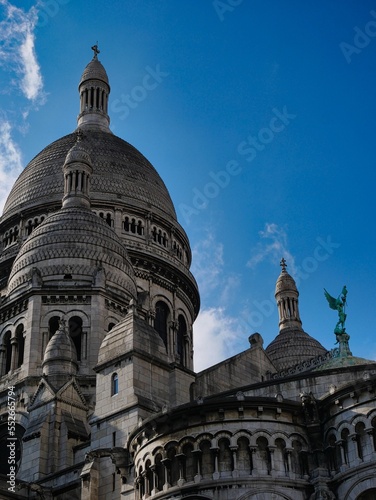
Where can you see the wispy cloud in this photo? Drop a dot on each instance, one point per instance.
(22, 78)
(17, 51)
(215, 336)
(216, 333)
(273, 246)
(10, 161)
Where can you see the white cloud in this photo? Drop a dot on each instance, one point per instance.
(207, 263)
(10, 161)
(215, 336)
(17, 51)
(274, 245)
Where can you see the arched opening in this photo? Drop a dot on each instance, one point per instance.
(225, 462)
(189, 462)
(53, 325)
(367, 495)
(159, 472)
(114, 384)
(7, 353)
(75, 332)
(20, 344)
(281, 462)
(344, 442)
(110, 326)
(263, 455)
(174, 466)
(243, 457)
(162, 314)
(181, 339)
(361, 437)
(207, 463)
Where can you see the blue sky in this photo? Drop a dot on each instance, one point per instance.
(261, 120)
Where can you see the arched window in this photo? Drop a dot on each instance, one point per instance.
(225, 461)
(7, 353)
(114, 384)
(20, 344)
(110, 326)
(181, 338)
(243, 458)
(75, 331)
(53, 325)
(161, 320)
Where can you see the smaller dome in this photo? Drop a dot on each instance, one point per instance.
(74, 238)
(78, 154)
(94, 71)
(60, 356)
(293, 346)
(285, 282)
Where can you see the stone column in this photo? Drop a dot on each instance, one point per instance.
(167, 464)
(14, 358)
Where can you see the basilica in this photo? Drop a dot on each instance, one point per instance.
(99, 399)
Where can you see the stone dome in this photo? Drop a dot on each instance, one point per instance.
(293, 346)
(78, 153)
(121, 175)
(94, 71)
(74, 243)
(285, 283)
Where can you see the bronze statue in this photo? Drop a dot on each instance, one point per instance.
(339, 305)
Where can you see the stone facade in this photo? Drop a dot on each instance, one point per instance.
(96, 314)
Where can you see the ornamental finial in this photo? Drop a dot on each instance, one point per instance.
(283, 264)
(96, 51)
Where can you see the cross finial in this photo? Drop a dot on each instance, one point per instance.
(283, 264)
(96, 51)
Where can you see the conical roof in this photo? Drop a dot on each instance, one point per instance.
(60, 356)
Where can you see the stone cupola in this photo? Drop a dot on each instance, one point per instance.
(94, 90)
(286, 295)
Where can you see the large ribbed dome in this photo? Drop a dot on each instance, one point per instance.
(75, 242)
(120, 174)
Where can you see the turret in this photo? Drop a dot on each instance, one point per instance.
(94, 90)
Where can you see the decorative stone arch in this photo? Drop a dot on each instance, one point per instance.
(361, 486)
(8, 327)
(360, 424)
(158, 450)
(183, 338)
(206, 436)
(281, 435)
(261, 433)
(110, 322)
(330, 431)
(186, 440)
(78, 324)
(295, 436)
(222, 435)
(6, 349)
(239, 434)
(162, 319)
(173, 472)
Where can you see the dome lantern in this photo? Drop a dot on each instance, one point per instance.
(286, 295)
(77, 172)
(94, 90)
